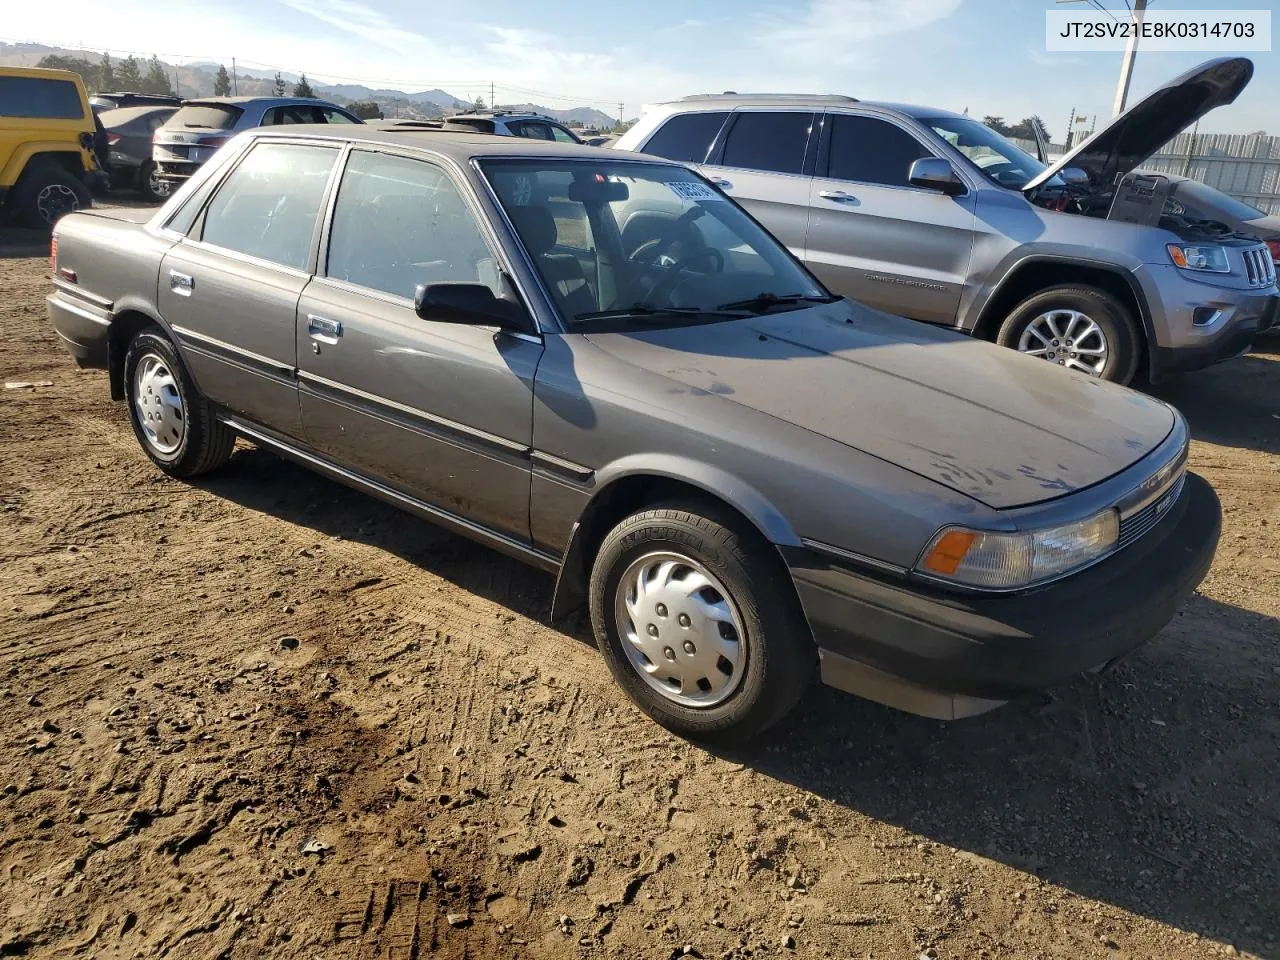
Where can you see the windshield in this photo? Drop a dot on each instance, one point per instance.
(642, 243)
(997, 159)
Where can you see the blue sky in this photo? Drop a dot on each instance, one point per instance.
(984, 55)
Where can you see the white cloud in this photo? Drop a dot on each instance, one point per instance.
(361, 21)
(836, 28)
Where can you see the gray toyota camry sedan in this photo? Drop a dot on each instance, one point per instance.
(603, 366)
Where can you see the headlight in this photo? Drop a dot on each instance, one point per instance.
(1193, 256)
(1003, 561)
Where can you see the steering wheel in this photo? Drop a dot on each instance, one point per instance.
(667, 274)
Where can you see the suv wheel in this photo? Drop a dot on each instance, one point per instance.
(152, 187)
(698, 623)
(46, 193)
(175, 425)
(1077, 327)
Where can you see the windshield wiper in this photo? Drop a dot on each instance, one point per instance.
(643, 310)
(763, 301)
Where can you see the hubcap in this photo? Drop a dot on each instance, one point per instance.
(680, 629)
(157, 405)
(55, 200)
(1068, 338)
(159, 187)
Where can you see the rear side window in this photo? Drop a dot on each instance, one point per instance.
(686, 138)
(330, 115)
(269, 205)
(38, 97)
(206, 116)
(872, 151)
(771, 141)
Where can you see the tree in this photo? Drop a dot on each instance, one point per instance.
(130, 75)
(157, 78)
(106, 74)
(89, 72)
(365, 109)
(997, 124)
(480, 104)
(303, 89)
(222, 83)
(278, 89)
(1025, 129)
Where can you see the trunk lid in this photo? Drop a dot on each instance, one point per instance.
(1130, 139)
(1002, 428)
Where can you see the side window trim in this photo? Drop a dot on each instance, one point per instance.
(722, 138)
(822, 172)
(196, 233)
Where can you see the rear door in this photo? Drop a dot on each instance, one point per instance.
(761, 163)
(441, 411)
(875, 238)
(230, 290)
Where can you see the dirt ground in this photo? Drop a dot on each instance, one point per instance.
(264, 716)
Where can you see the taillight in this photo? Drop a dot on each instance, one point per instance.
(113, 139)
(1274, 247)
(212, 141)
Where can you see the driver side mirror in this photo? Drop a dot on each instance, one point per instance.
(472, 304)
(936, 173)
(1074, 177)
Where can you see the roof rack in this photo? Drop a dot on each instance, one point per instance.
(773, 97)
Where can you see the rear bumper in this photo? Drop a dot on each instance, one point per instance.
(176, 169)
(949, 654)
(83, 329)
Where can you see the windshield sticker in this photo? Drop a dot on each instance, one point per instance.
(693, 191)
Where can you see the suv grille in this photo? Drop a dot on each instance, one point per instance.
(1258, 268)
(1133, 527)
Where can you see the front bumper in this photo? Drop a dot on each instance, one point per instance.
(949, 654)
(83, 328)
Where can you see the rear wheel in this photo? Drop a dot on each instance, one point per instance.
(151, 186)
(175, 425)
(46, 193)
(1077, 327)
(698, 622)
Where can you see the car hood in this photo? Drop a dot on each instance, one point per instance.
(1131, 138)
(1005, 429)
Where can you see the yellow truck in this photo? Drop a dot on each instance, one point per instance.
(47, 160)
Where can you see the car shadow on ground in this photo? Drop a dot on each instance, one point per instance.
(1234, 404)
(1150, 788)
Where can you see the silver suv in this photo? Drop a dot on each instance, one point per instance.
(931, 215)
(531, 126)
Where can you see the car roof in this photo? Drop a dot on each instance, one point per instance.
(804, 101)
(243, 101)
(47, 73)
(456, 146)
(122, 115)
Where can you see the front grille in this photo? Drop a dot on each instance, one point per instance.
(1135, 526)
(1258, 267)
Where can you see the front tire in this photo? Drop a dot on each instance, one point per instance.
(1077, 327)
(174, 424)
(698, 622)
(46, 193)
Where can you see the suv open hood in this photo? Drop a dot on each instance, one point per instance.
(1131, 138)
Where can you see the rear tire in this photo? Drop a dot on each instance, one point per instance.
(725, 686)
(46, 193)
(152, 188)
(176, 427)
(1068, 324)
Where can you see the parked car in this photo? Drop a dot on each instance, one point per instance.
(501, 123)
(747, 480)
(199, 127)
(934, 216)
(1198, 201)
(117, 101)
(47, 162)
(129, 133)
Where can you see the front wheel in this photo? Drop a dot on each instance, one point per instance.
(1077, 327)
(175, 425)
(698, 622)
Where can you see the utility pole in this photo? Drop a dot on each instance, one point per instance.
(1071, 128)
(177, 87)
(620, 120)
(1130, 52)
(235, 84)
(493, 101)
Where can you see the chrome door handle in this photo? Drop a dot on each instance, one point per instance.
(181, 283)
(837, 195)
(322, 329)
(721, 182)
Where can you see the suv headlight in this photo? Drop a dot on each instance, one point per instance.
(1004, 561)
(1198, 256)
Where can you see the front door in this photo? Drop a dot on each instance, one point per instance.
(440, 411)
(762, 166)
(875, 238)
(230, 290)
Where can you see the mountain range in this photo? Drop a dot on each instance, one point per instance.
(196, 80)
